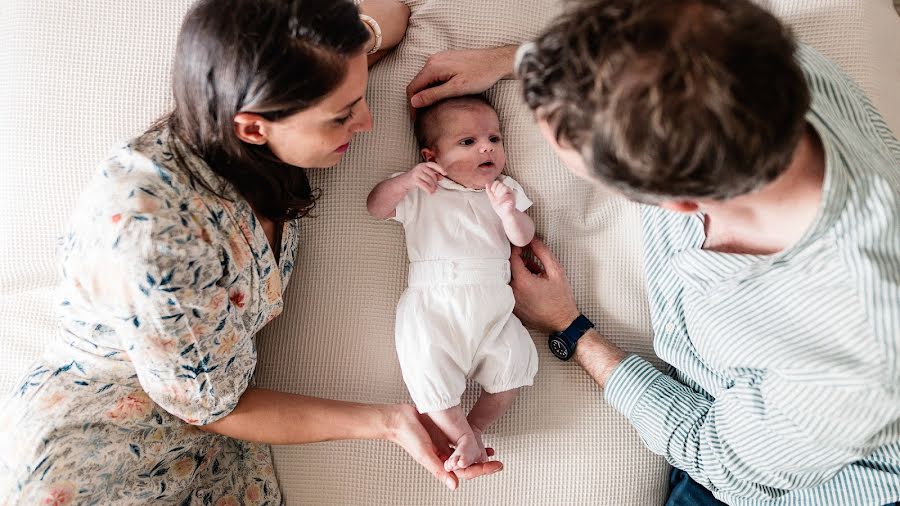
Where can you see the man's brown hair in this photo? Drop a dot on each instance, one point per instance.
(678, 98)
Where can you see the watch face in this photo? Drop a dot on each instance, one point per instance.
(558, 347)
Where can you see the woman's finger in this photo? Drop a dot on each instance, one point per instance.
(476, 470)
(430, 461)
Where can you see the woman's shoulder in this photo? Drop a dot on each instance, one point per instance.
(150, 183)
(155, 163)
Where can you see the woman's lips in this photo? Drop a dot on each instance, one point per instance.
(343, 148)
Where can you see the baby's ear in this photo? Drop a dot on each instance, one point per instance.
(428, 154)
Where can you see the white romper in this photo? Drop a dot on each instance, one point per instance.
(455, 319)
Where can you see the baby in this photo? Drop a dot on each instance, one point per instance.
(455, 320)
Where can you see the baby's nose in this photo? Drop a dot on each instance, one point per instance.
(486, 147)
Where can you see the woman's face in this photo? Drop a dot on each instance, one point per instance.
(319, 136)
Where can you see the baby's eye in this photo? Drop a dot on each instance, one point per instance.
(495, 138)
(467, 142)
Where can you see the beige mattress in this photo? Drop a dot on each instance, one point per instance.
(77, 77)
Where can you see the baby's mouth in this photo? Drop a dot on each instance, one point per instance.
(486, 165)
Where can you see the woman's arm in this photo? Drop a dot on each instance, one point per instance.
(266, 416)
(392, 17)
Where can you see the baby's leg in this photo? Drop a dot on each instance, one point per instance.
(469, 449)
(488, 409)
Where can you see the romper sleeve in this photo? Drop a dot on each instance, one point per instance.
(522, 200)
(179, 327)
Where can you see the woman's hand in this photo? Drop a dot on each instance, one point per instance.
(462, 72)
(544, 299)
(392, 17)
(429, 446)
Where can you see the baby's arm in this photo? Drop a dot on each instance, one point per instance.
(383, 199)
(518, 226)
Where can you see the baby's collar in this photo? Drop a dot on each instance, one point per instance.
(453, 185)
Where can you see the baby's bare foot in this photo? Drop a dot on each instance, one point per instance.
(469, 450)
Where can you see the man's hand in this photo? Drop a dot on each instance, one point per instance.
(424, 175)
(502, 198)
(544, 299)
(463, 72)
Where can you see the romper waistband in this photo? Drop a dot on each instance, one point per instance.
(459, 272)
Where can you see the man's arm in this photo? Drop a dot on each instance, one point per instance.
(767, 434)
(462, 72)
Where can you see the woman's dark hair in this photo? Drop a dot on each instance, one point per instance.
(270, 57)
(684, 98)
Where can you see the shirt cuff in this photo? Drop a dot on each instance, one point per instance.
(629, 381)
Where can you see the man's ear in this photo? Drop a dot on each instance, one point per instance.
(251, 128)
(680, 206)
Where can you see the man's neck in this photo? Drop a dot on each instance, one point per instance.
(776, 216)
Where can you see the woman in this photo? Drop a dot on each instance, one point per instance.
(179, 252)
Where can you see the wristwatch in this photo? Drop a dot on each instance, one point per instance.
(562, 344)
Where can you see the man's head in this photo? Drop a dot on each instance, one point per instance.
(462, 135)
(685, 99)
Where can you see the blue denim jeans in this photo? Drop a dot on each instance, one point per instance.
(683, 491)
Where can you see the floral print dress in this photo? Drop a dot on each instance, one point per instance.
(164, 286)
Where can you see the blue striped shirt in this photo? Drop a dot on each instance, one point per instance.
(785, 379)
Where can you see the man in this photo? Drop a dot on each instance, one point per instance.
(772, 242)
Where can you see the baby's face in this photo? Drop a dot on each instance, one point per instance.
(468, 144)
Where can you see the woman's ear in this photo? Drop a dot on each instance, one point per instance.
(428, 154)
(251, 128)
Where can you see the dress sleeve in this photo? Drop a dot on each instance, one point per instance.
(522, 200)
(179, 326)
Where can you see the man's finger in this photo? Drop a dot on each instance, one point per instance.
(433, 94)
(426, 76)
(546, 258)
(517, 265)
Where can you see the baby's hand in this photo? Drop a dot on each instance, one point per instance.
(425, 175)
(502, 198)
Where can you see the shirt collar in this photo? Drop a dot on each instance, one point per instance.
(702, 267)
(450, 184)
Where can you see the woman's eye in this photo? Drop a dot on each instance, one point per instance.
(467, 142)
(345, 119)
